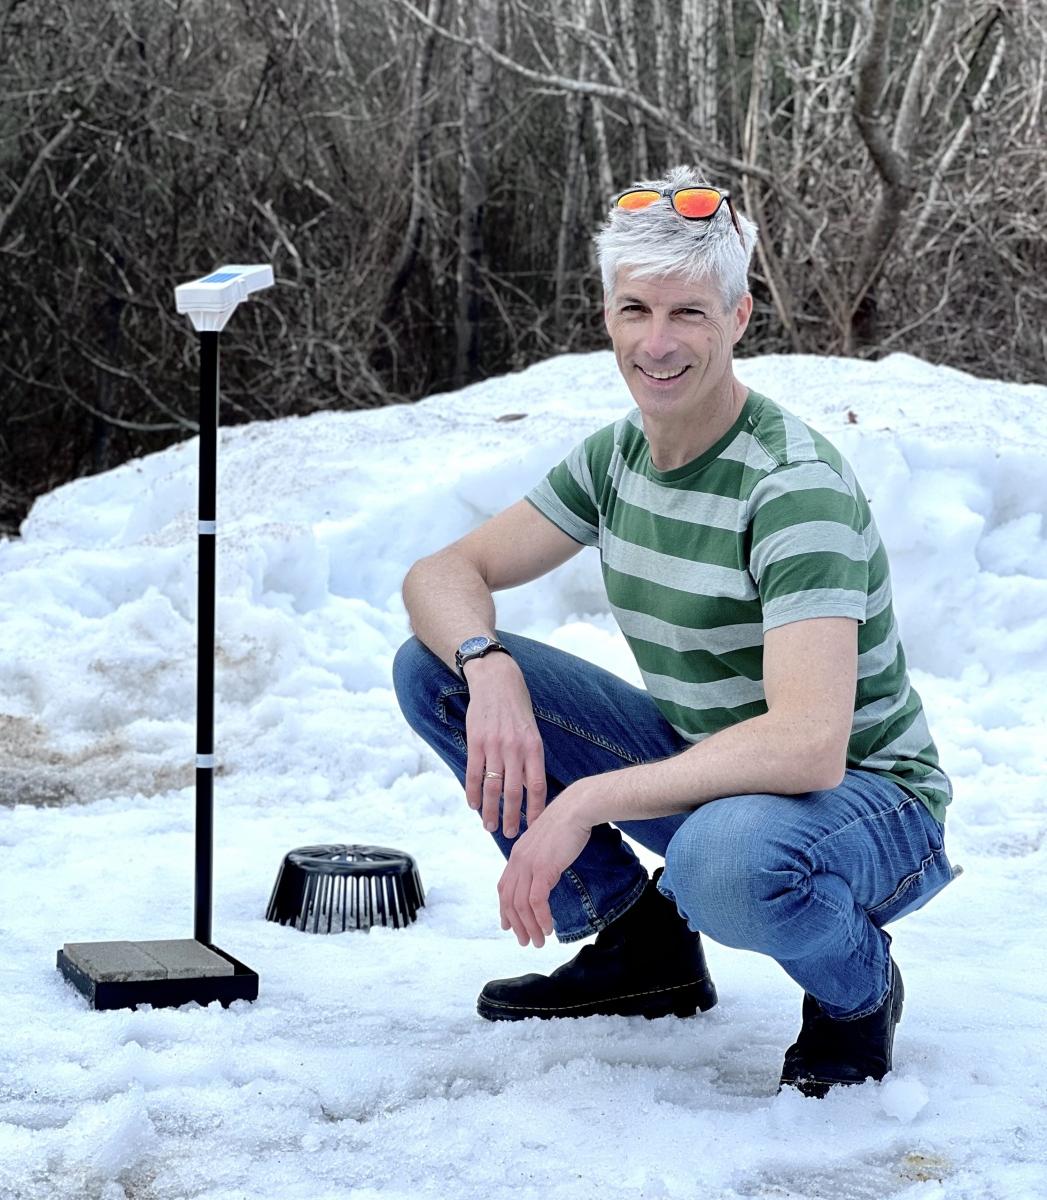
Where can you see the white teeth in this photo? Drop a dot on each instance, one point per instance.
(663, 374)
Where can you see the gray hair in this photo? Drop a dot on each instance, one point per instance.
(658, 241)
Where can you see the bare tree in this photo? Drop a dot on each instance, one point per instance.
(424, 176)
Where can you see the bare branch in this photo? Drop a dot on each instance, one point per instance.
(587, 87)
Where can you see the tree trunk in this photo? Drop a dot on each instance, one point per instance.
(605, 172)
(891, 152)
(480, 19)
(421, 112)
(575, 109)
(627, 13)
(700, 21)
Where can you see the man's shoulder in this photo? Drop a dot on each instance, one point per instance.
(623, 436)
(787, 441)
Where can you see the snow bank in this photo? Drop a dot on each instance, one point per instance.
(362, 1070)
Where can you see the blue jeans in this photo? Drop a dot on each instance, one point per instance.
(809, 880)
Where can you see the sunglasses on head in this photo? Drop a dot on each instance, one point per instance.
(692, 203)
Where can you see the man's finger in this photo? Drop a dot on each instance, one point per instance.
(492, 795)
(537, 787)
(504, 889)
(514, 884)
(539, 899)
(510, 919)
(474, 776)
(522, 902)
(512, 799)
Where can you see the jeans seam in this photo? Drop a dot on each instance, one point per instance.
(542, 714)
(586, 901)
(440, 708)
(883, 812)
(596, 740)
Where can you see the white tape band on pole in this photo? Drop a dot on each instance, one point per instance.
(205, 760)
(207, 527)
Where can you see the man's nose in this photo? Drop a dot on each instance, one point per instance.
(658, 340)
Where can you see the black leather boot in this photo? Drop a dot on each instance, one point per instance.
(829, 1053)
(646, 963)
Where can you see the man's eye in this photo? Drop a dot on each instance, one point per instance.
(632, 308)
(692, 312)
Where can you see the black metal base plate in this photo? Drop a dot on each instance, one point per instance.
(164, 993)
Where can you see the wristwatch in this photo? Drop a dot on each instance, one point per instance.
(475, 647)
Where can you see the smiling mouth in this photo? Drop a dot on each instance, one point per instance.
(662, 375)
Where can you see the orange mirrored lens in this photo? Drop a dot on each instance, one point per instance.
(637, 200)
(697, 202)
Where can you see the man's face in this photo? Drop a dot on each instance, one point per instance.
(673, 341)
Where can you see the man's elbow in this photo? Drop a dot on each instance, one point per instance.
(420, 568)
(413, 569)
(416, 584)
(827, 767)
(449, 556)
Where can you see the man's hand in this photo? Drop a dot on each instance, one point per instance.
(505, 748)
(545, 850)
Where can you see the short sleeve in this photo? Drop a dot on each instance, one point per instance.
(567, 497)
(810, 549)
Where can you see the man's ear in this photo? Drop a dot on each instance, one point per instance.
(743, 311)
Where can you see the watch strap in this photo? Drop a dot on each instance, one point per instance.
(461, 659)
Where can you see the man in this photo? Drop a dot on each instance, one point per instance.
(778, 757)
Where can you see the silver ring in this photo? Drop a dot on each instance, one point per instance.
(493, 775)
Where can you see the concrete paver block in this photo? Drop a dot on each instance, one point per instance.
(124, 962)
(185, 958)
(113, 962)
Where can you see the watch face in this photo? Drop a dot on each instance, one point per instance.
(472, 645)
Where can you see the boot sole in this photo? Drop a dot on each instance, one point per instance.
(681, 1000)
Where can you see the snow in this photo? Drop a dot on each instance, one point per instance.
(362, 1069)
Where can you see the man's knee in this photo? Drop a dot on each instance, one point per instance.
(734, 878)
(418, 676)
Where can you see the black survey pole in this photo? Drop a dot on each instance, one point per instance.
(209, 303)
(173, 971)
(207, 539)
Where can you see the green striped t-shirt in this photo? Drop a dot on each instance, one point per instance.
(768, 526)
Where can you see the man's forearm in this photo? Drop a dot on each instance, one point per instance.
(448, 601)
(777, 753)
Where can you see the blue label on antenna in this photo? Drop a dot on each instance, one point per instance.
(220, 277)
